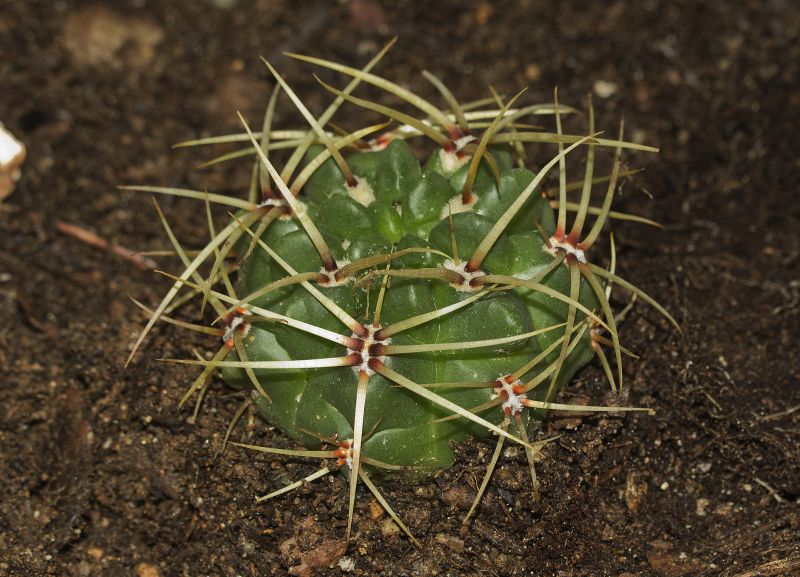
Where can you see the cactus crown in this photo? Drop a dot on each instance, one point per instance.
(385, 308)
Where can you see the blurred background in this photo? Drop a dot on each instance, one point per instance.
(103, 475)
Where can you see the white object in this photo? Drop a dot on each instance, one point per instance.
(12, 155)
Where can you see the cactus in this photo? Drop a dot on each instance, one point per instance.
(386, 308)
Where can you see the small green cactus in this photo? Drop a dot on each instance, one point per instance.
(385, 307)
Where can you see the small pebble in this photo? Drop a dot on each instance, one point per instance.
(533, 72)
(389, 527)
(375, 510)
(147, 570)
(700, 506)
(605, 89)
(347, 564)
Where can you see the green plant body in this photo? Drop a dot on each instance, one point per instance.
(409, 210)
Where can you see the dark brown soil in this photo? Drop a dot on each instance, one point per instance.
(103, 475)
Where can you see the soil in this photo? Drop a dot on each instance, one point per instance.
(102, 474)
